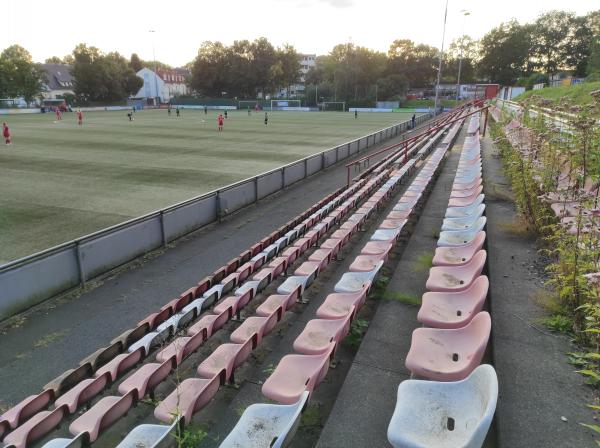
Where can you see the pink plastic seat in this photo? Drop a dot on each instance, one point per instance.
(295, 374)
(365, 263)
(449, 354)
(334, 244)
(35, 428)
(83, 392)
(302, 244)
(191, 396)
(224, 360)
(318, 334)
(278, 266)
(337, 305)
(467, 185)
(181, 348)
(392, 223)
(341, 234)
(255, 327)
(462, 202)
(453, 309)
(308, 269)
(321, 256)
(102, 415)
(466, 193)
(146, 378)
(456, 278)
(278, 301)
(458, 255)
(233, 303)
(400, 214)
(121, 364)
(229, 282)
(377, 248)
(291, 253)
(29, 406)
(244, 271)
(210, 323)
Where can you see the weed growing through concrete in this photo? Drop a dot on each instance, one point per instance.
(424, 262)
(407, 299)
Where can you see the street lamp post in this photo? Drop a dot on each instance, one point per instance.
(465, 14)
(155, 69)
(439, 76)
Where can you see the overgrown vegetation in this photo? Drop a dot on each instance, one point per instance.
(553, 162)
(578, 94)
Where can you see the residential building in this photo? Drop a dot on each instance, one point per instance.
(307, 61)
(58, 81)
(164, 84)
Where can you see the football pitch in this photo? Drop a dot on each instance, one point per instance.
(60, 181)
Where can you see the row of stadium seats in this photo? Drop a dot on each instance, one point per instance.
(295, 377)
(78, 386)
(455, 408)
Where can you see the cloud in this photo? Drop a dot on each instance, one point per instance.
(339, 3)
(332, 3)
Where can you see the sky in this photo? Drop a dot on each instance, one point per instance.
(312, 26)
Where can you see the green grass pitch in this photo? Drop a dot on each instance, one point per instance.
(60, 181)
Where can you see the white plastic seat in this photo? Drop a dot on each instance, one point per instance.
(464, 222)
(445, 415)
(461, 212)
(355, 281)
(291, 283)
(459, 237)
(266, 425)
(147, 436)
(75, 442)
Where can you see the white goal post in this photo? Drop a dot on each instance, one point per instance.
(339, 106)
(285, 104)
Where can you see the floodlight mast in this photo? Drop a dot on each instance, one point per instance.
(155, 69)
(439, 76)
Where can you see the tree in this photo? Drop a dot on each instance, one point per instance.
(102, 77)
(418, 63)
(135, 62)
(593, 66)
(53, 60)
(290, 65)
(21, 76)
(553, 41)
(504, 54)
(392, 87)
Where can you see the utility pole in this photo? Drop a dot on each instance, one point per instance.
(439, 76)
(155, 70)
(465, 14)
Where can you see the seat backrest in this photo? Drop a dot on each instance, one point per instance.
(159, 375)
(287, 433)
(69, 379)
(481, 325)
(119, 408)
(47, 424)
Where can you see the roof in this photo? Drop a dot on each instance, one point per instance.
(59, 76)
(174, 75)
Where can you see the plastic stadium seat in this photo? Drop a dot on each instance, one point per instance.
(461, 212)
(277, 266)
(366, 263)
(229, 282)
(64, 382)
(449, 238)
(388, 235)
(308, 269)
(121, 364)
(147, 435)
(461, 194)
(255, 327)
(332, 243)
(103, 355)
(302, 244)
(463, 202)
(35, 428)
(377, 248)
(356, 281)
(445, 415)
(453, 309)
(278, 301)
(78, 441)
(265, 425)
(244, 271)
(225, 359)
(181, 348)
(291, 253)
(456, 278)
(190, 396)
(152, 339)
(251, 286)
(233, 304)
(102, 415)
(464, 222)
(205, 325)
(29, 406)
(295, 374)
(456, 186)
(291, 283)
(128, 337)
(319, 333)
(146, 378)
(458, 255)
(442, 354)
(155, 319)
(83, 392)
(393, 223)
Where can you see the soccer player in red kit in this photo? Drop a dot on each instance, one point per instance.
(6, 134)
(79, 117)
(220, 121)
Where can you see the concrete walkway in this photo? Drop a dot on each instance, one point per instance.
(41, 343)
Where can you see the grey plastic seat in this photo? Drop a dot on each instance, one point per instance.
(386, 234)
(266, 425)
(464, 222)
(76, 442)
(250, 285)
(445, 414)
(149, 436)
(150, 340)
(459, 237)
(291, 283)
(355, 281)
(461, 212)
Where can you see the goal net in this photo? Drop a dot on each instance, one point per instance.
(285, 104)
(336, 106)
(247, 104)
